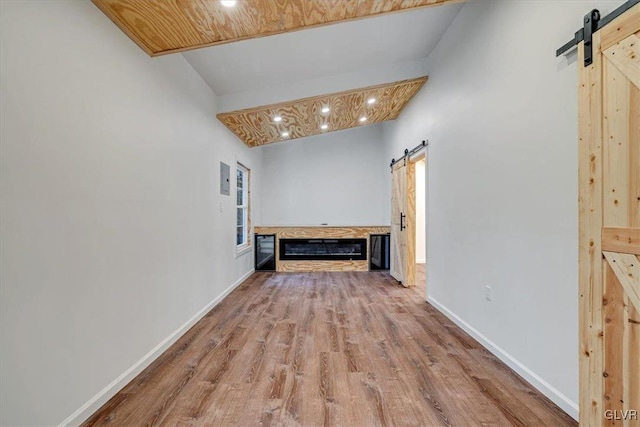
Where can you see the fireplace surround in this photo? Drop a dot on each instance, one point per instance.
(323, 249)
(322, 232)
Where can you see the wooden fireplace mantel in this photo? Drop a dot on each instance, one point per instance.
(319, 232)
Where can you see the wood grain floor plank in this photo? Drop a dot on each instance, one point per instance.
(327, 349)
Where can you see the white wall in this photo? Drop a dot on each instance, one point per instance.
(336, 178)
(112, 235)
(421, 241)
(500, 113)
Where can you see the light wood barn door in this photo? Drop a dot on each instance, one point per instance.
(609, 200)
(398, 213)
(402, 266)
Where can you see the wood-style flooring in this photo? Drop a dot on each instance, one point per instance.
(327, 349)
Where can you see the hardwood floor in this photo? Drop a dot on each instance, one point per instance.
(330, 349)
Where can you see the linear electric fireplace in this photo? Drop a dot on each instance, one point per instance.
(323, 249)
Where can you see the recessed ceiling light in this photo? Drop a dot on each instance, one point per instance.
(277, 119)
(285, 134)
(325, 110)
(363, 119)
(324, 126)
(228, 3)
(371, 101)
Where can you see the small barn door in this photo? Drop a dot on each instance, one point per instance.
(398, 221)
(609, 204)
(403, 222)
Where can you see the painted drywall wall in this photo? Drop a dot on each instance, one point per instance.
(112, 232)
(421, 237)
(500, 114)
(335, 178)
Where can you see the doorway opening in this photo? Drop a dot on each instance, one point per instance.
(421, 223)
(408, 221)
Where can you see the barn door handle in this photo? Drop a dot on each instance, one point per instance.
(402, 217)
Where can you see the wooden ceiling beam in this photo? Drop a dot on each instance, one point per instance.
(160, 27)
(304, 117)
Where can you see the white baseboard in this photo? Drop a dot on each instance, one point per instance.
(421, 261)
(566, 404)
(86, 410)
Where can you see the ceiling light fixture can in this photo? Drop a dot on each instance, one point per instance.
(228, 3)
(277, 119)
(363, 119)
(371, 101)
(324, 126)
(285, 134)
(325, 110)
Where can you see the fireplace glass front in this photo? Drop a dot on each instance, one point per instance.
(323, 249)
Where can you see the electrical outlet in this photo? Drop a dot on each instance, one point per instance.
(487, 293)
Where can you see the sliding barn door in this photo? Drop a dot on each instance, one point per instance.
(398, 220)
(403, 222)
(609, 179)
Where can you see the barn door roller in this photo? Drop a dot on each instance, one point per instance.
(592, 23)
(408, 153)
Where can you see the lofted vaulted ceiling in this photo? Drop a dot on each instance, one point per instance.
(305, 117)
(282, 76)
(359, 47)
(167, 26)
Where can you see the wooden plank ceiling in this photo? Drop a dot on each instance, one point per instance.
(166, 26)
(306, 117)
